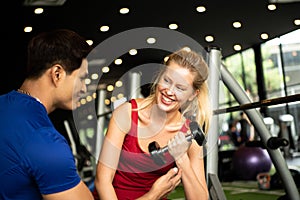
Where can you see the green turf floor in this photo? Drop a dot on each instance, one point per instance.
(248, 190)
(238, 190)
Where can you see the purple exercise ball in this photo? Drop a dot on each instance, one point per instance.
(249, 161)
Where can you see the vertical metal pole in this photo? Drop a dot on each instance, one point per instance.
(243, 72)
(213, 132)
(281, 61)
(100, 121)
(135, 83)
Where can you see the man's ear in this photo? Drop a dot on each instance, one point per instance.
(57, 72)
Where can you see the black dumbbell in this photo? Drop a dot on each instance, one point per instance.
(157, 153)
(272, 143)
(276, 142)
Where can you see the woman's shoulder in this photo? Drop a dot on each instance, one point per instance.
(126, 107)
(123, 108)
(138, 100)
(121, 116)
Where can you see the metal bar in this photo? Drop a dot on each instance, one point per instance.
(212, 137)
(266, 102)
(100, 122)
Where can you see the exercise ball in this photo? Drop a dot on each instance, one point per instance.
(247, 162)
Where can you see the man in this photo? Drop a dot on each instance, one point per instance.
(36, 161)
(246, 129)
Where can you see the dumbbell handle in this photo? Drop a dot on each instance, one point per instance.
(163, 150)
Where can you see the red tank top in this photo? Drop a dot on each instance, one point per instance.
(137, 171)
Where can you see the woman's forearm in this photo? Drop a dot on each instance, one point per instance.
(194, 190)
(195, 187)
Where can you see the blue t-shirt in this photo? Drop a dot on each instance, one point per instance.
(35, 158)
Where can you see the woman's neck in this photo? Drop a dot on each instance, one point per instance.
(169, 119)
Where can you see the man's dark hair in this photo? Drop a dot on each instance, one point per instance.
(61, 46)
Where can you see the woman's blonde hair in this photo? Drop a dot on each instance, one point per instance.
(200, 106)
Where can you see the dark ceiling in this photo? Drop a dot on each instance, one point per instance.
(85, 17)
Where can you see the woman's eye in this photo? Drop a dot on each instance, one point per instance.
(181, 89)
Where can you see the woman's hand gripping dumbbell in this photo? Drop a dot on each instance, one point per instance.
(157, 153)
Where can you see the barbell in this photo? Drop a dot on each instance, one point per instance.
(266, 102)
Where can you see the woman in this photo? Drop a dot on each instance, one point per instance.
(126, 169)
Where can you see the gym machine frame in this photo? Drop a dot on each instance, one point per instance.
(218, 71)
